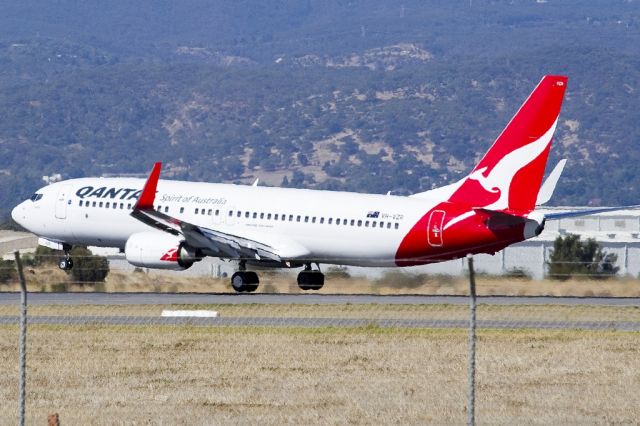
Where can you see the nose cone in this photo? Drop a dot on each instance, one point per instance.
(18, 214)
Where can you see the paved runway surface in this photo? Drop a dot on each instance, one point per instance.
(209, 299)
(300, 299)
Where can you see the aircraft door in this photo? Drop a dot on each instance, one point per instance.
(434, 230)
(61, 202)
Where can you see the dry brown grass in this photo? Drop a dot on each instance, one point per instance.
(275, 282)
(236, 375)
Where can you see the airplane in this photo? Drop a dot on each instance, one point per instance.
(168, 224)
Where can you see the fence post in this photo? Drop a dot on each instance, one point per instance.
(471, 405)
(23, 339)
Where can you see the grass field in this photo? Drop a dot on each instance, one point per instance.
(274, 375)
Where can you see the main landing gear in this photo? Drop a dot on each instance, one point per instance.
(245, 281)
(310, 279)
(66, 263)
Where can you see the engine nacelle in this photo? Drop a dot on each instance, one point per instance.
(160, 251)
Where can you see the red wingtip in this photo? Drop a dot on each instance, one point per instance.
(148, 195)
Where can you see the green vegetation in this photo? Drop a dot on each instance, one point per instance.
(7, 271)
(572, 257)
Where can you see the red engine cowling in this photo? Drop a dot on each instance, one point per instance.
(159, 251)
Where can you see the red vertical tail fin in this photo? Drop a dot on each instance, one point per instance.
(509, 175)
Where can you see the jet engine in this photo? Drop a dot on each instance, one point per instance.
(160, 251)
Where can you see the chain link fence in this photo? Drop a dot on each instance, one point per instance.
(105, 358)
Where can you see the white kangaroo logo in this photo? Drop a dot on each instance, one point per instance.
(500, 177)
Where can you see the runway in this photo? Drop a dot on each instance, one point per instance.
(167, 299)
(7, 298)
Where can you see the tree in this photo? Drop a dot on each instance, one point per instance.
(572, 257)
(7, 271)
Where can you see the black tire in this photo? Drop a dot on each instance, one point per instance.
(65, 264)
(251, 278)
(239, 282)
(252, 281)
(310, 280)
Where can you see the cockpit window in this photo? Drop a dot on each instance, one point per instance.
(35, 197)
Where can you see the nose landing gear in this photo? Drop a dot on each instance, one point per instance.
(66, 263)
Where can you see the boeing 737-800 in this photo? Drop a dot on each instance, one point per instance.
(172, 224)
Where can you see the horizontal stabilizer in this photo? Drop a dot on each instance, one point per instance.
(549, 185)
(577, 213)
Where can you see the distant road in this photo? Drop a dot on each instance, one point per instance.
(298, 299)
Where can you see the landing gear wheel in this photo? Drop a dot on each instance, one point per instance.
(66, 263)
(310, 280)
(245, 281)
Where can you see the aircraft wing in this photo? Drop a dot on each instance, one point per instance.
(220, 243)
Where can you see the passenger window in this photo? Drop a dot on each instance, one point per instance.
(313, 219)
(100, 204)
(181, 209)
(115, 205)
(330, 220)
(247, 214)
(230, 212)
(373, 224)
(397, 225)
(217, 212)
(80, 203)
(269, 216)
(353, 222)
(366, 224)
(306, 219)
(209, 212)
(239, 213)
(275, 216)
(322, 220)
(196, 211)
(166, 209)
(255, 215)
(121, 206)
(298, 218)
(337, 221)
(261, 215)
(284, 217)
(290, 218)
(388, 225)
(359, 223)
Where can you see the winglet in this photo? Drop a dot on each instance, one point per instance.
(148, 195)
(549, 185)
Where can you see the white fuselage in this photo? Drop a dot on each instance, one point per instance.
(335, 227)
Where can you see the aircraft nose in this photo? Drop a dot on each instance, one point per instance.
(17, 214)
